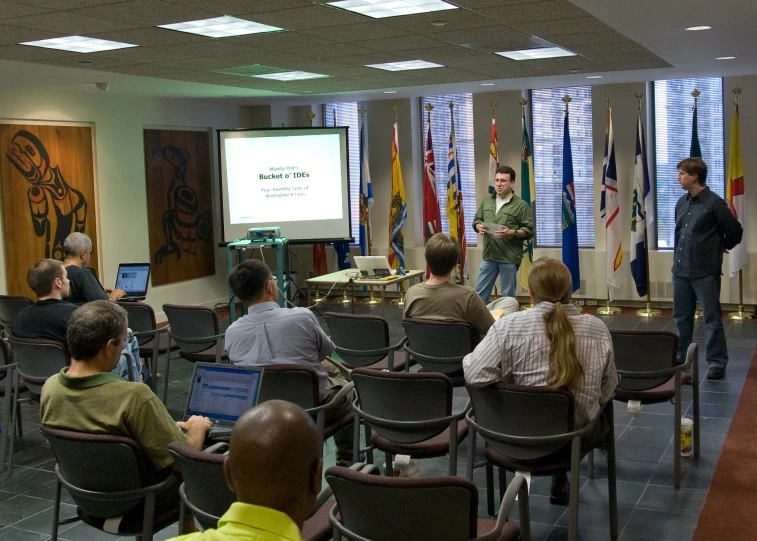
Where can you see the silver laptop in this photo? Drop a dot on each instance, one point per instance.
(222, 393)
(373, 266)
(133, 278)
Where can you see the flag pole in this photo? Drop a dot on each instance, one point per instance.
(609, 309)
(647, 312)
(318, 298)
(345, 299)
(698, 314)
(567, 99)
(740, 315)
(401, 300)
(493, 104)
(371, 299)
(523, 102)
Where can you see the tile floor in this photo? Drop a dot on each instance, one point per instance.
(648, 505)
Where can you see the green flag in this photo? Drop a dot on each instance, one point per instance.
(696, 150)
(528, 194)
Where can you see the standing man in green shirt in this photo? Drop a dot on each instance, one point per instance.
(503, 248)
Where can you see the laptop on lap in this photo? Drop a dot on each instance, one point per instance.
(222, 393)
(133, 278)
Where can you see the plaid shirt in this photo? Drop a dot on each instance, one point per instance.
(516, 350)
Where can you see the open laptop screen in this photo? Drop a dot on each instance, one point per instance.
(222, 392)
(133, 278)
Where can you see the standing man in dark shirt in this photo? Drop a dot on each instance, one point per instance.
(85, 287)
(705, 228)
(48, 317)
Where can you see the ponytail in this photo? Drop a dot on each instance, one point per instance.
(565, 371)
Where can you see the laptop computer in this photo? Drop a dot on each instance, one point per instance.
(133, 278)
(373, 266)
(222, 393)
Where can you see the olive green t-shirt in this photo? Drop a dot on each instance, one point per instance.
(106, 404)
(448, 302)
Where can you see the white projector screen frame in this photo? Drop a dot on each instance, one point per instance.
(279, 186)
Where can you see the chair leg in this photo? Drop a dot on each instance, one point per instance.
(695, 405)
(182, 516)
(590, 458)
(356, 440)
(502, 483)
(612, 489)
(369, 452)
(677, 435)
(389, 466)
(149, 517)
(490, 488)
(56, 511)
(452, 468)
(575, 468)
(165, 381)
(471, 455)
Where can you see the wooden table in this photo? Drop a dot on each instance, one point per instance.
(346, 277)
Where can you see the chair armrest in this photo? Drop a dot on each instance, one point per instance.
(341, 529)
(217, 448)
(363, 352)
(426, 358)
(331, 404)
(518, 487)
(506, 438)
(399, 345)
(122, 495)
(429, 423)
(196, 340)
(464, 412)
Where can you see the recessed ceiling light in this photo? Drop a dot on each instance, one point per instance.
(390, 91)
(84, 62)
(79, 44)
(698, 28)
(406, 65)
(379, 9)
(438, 23)
(594, 77)
(536, 54)
(487, 84)
(307, 91)
(221, 27)
(292, 76)
(725, 58)
(574, 70)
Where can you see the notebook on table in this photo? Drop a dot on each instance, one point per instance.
(133, 278)
(373, 266)
(222, 393)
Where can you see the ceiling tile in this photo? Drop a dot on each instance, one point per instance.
(562, 64)
(457, 56)
(490, 34)
(589, 38)
(459, 19)
(280, 40)
(140, 13)
(357, 32)
(350, 71)
(150, 37)
(267, 58)
(10, 10)
(147, 70)
(504, 71)
(375, 58)
(388, 78)
(24, 53)
(90, 62)
(61, 5)
(614, 58)
(402, 43)
(643, 65)
(143, 55)
(210, 47)
(447, 75)
(307, 17)
(202, 64)
(331, 51)
(565, 26)
(238, 7)
(533, 12)
(623, 47)
(476, 4)
(311, 65)
(68, 24)
(11, 35)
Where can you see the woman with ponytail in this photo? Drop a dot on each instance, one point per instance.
(550, 345)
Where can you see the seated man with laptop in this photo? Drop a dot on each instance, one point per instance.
(270, 335)
(48, 317)
(85, 287)
(86, 397)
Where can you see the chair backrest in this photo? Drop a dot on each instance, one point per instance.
(204, 482)
(439, 346)
(394, 397)
(291, 382)
(10, 306)
(358, 332)
(38, 359)
(6, 358)
(141, 319)
(525, 411)
(99, 463)
(398, 509)
(192, 322)
(644, 351)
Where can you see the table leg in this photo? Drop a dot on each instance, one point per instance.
(383, 298)
(352, 287)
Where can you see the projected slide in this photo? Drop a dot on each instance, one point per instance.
(296, 179)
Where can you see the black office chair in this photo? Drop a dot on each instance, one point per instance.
(10, 306)
(362, 341)
(9, 388)
(440, 346)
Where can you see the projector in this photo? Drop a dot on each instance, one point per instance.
(263, 233)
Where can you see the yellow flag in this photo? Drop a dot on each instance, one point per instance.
(397, 208)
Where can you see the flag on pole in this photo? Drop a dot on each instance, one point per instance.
(455, 213)
(641, 217)
(432, 217)
(493, 155)
(528, 194)
(696, 150)
(342, 250)
(366, 199)
(609, 213)
(569, 226)
(397, 208)
(735, 195)
(320, 266)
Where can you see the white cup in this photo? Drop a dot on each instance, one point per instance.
(687, 426)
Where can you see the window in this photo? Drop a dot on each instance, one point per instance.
(673, 113)
(440, 131)
(347, 115)
(548, 113)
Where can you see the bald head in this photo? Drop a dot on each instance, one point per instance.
(275, 459)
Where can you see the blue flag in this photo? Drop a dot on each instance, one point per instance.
(342, 250)
(569, 226)
(639, 212)
(366, 200)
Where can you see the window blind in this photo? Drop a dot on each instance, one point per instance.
(440, 130)
(673, 114)
(548, 114)
(347, 115)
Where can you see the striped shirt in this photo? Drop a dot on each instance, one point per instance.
(516, 350)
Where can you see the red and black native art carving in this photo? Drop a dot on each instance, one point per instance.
(57, 209)
(183, 223)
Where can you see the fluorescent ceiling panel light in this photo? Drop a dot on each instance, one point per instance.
(487, 84)
(292, 76)
(594, 77)
(698, 28)
(79, 44)
(251, 71)
(536, 54)
(725, 58)
(379, 9)
(390, 91)
(221, 27)
(404, 66)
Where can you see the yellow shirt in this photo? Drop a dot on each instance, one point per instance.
(247, 522)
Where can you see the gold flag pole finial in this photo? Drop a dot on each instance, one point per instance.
(361, 112)
(523, 102)
(736, 91)
(494, 104)
(311, 116)
(428, 107)
(567, 99)
(396, 109)
(696, 93)
(638, 96)
(451, 106)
